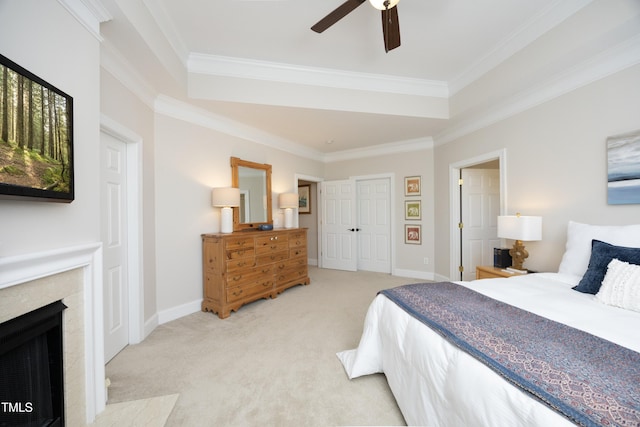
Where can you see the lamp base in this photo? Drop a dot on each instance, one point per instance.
(518, 255)
(288, 218)
(226, 220)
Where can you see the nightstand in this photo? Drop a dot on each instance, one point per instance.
(490, 272)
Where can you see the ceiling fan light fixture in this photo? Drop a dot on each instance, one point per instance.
(380, 4)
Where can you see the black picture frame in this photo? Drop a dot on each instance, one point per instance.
(36, 137)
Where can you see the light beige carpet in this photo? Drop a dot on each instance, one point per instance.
(272, 363)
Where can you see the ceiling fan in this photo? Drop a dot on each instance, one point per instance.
(390, 24)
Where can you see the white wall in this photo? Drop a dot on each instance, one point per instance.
(44, 38)
(556, 164)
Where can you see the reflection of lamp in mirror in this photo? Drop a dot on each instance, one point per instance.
(288, 202)
(225, 198)
(518, 227)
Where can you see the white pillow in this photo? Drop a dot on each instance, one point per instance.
(621, 285)
(579, 236)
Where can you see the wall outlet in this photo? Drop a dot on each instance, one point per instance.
(426, 261)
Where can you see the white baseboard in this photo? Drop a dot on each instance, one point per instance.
(150, 325)
(424, 275)
(180, 311)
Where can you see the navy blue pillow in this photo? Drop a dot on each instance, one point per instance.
(601, 255)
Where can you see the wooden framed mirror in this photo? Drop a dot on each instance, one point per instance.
(254, 182)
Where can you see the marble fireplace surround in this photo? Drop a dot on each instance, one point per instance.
(74, 274)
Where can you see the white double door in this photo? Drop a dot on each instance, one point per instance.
(356, 224)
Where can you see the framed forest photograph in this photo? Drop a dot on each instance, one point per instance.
(36, 137)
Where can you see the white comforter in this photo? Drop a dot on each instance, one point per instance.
(436, 384)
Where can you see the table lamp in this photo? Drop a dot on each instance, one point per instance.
(225, 198)
(288, 202)
(519, 228)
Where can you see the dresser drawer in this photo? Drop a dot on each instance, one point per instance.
(271, 257)
(234, 278)
(298, 239)
(241, 242)
(300, 252)
(289, 275)
(236, 264)
(240, 253)
(256, 287)
(271, 243)
(247, 276)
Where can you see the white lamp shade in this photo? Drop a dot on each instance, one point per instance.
(225, 197)
(379, 4)
(518, 227)
(288, 200)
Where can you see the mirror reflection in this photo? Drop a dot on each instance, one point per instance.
(253, 196)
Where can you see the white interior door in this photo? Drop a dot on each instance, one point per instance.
(114, 238)
(339, 244)
(374, 225)
(480, 209)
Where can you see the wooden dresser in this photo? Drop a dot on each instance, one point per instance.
(245, 266)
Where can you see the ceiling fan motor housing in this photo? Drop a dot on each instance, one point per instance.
(383, 4)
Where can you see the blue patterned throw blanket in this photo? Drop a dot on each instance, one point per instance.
(589, 380)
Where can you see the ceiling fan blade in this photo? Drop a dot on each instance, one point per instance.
(390, 28)
(340, 12)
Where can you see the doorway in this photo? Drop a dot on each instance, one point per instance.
(478, 196)
(120, 198)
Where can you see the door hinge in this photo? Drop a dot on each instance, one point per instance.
(461, 269)
(460, 225)
(460, 181)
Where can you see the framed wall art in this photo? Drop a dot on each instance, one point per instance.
(412, 209)
(36, 137)
(412, 234)
(304, 199)
(412, 185)
(623, 169)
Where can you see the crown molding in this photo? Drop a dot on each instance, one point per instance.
(611, 61)
(541, 23)
(381, 150)
(289, 73)
(165, 24)
(186, 112)
(90, 13)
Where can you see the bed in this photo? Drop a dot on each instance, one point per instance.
(439, 380)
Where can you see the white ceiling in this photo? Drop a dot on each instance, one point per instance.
(446, 44)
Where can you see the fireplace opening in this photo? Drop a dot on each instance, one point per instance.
(31, 369)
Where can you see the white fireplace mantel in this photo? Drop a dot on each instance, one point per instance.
(15, 270)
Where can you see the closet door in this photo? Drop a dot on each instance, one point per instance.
(339, 236)
(374, 225)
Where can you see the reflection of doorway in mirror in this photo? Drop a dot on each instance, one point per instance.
(245, 206)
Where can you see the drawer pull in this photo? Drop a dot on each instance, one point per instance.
(237, 293)
(274, 238)
(237, 278)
